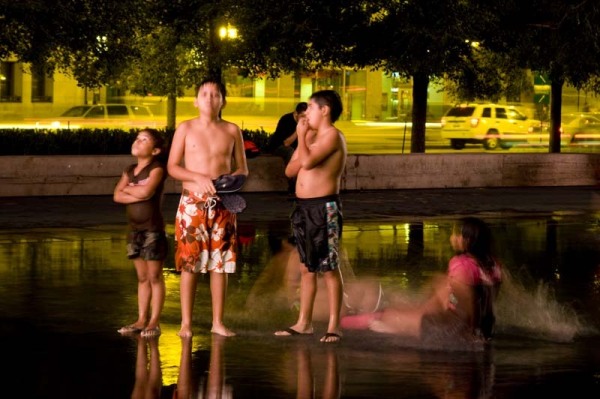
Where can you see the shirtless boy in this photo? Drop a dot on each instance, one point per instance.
(205, 231)
(317, 164)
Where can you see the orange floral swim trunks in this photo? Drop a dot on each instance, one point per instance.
(205, 235)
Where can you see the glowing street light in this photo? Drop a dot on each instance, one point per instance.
(228, 32)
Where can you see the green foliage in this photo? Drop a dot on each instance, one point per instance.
(85, 141)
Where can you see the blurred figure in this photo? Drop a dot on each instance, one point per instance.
(278, 286)
(148, 374)
(461, 303)
(284, 140)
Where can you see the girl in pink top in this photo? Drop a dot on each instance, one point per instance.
(462, 302)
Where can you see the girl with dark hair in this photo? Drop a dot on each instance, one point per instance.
(462, 301)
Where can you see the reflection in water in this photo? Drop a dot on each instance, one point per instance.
(148, 372)
(314, 377)
(65, 291)
(203, 383)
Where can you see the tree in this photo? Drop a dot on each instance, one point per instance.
(81, 38)
(556, 38)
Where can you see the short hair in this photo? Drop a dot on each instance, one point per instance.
(330, 98)
(216, 82)
(301, 107)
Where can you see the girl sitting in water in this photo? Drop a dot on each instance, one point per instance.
(462, 302)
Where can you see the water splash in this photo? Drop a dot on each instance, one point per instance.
(534, 313)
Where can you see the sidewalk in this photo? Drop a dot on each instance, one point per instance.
(83, 211)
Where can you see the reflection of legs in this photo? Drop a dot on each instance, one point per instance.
(155, 375)
(187, 288)
(218, 290)
(184, 380)
(331, 388)
(141, 372)
(305, 385)
(157, 284)
(216, 372)
(333, 280)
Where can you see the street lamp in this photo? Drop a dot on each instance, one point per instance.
(228, 32)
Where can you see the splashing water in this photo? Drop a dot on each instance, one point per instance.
(536, 314)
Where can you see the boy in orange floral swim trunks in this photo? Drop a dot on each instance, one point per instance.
(203, 149)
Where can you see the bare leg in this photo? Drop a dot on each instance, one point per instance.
(157, 284)
(187, 288)
(333, 280)
(308, 290)
(405, 321)
(218, 290)
(143, 296)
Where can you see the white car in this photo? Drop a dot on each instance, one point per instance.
(492, 125)
(102, 116)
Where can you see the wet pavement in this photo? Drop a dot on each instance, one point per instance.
(67, 286)
(25, 212)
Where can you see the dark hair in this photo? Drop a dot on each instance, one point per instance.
(301, 107)
(478, 240)
(217, 83)
(332, 100)
(159, 142)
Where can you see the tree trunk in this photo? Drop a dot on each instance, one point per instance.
(171, 111)
(555, 111)
(419, 112)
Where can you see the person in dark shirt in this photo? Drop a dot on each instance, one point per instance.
(284, 140)
(141, 188)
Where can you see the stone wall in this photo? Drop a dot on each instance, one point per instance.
(97, 175)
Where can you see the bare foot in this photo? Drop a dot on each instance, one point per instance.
(294, 330)
(222, 330)
(132, 328)
(185, 332)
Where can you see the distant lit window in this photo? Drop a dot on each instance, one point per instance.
(42, 86)
(10, 82)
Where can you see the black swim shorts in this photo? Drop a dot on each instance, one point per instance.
(317, 227)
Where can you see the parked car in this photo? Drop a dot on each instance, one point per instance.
(492, 125)
(103, 116)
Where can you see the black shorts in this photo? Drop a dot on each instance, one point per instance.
(148, 245)
(317, 226)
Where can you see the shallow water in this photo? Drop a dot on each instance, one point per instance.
(65, 292)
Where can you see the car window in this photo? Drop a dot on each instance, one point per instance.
(96, 112)
(487, 113)
(76, 111)
(501, 113)
(515, 114)
(117, 110)
(140, 111)
(461, 111)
